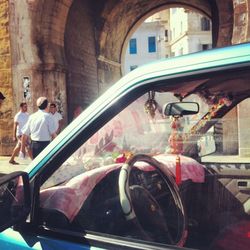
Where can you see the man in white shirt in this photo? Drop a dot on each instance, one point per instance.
(40, 127)
(57, 117)
(20, 120)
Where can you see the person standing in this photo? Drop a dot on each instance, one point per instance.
(40, 127)
(20, 120)
(57, 117)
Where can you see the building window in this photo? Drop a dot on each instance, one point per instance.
(132, 67)
(166, 36)
(132, 46)
(205, 24)
(205, 46)
(151, 44)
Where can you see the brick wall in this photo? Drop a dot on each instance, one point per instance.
(6, 112)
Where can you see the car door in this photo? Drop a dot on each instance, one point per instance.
(228, 169)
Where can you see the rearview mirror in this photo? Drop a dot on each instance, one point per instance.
(14, 199)
(181, 108)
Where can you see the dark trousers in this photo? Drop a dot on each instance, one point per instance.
(37, 147)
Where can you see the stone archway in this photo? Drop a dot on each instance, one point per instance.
(124, 20)
(67, 38)
(170, 5)
(42, 45)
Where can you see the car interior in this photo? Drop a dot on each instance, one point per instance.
(165, 174)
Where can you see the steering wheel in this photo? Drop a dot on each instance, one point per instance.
(144, 211)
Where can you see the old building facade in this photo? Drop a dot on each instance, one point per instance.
(71, 50)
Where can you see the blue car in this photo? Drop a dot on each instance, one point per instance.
(160, 161)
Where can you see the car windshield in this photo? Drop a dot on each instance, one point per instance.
(134, 130)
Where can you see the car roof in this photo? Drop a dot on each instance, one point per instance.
(209, 60)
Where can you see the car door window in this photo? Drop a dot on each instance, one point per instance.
(229, 136)
(132, 131)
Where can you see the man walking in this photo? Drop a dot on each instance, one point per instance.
(57, 117)
(40, 127)
(20, 120)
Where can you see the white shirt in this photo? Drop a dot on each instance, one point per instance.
(57, 117)
(20, 118)
(40, 126)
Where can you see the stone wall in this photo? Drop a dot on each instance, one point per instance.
(241, 32)
(80, 53)
(6, 110)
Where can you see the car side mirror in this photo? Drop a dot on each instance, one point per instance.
(14, 199)
(181, 108)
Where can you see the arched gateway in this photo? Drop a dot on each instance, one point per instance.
(71, 50)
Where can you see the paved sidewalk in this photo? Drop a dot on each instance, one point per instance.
(6, 167)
